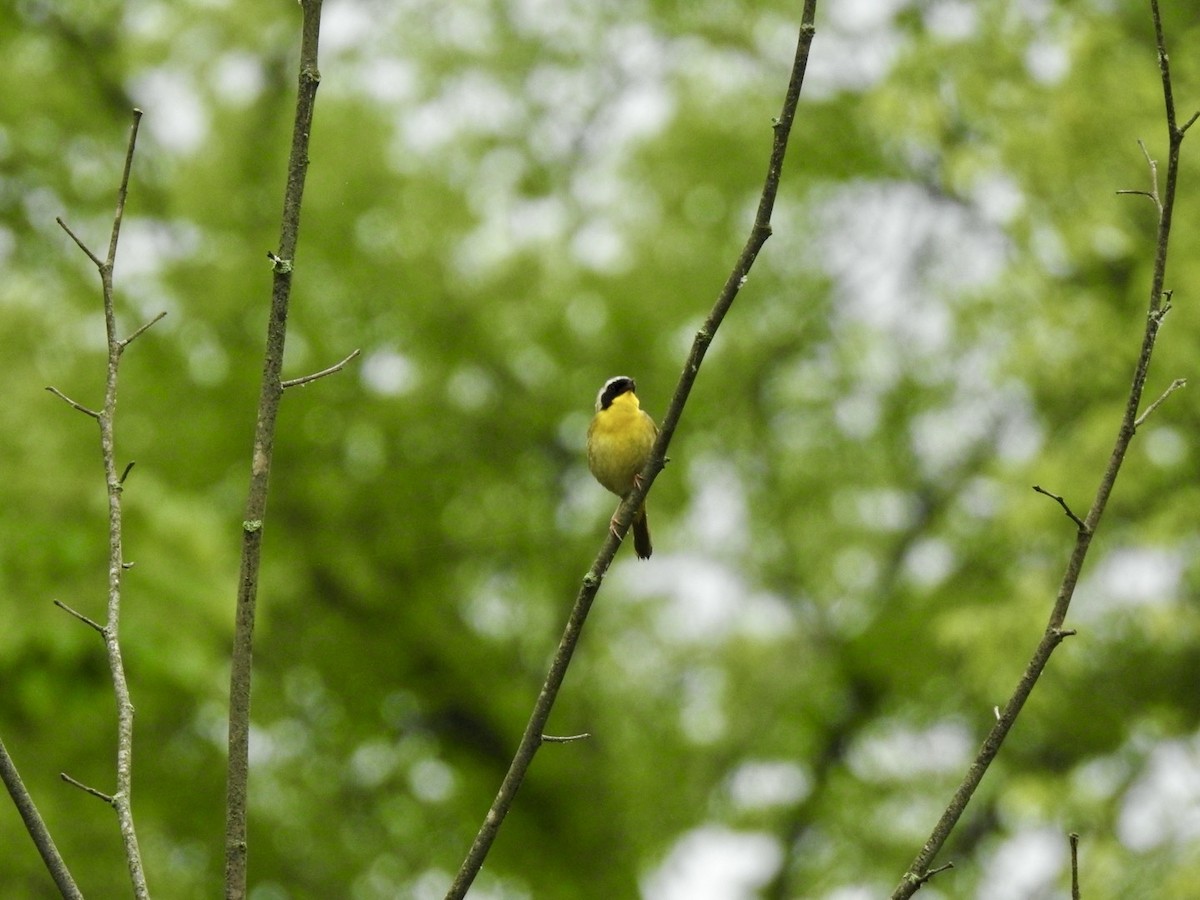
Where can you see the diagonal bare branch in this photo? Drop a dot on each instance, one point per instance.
(129, 340)
(308, 379)
(1063, 503)
(87, 789)
(79, 406)
(91, 623)
(1055, 633)
(1171, 388)
(760, 231)
(79, 242)
(36, 827)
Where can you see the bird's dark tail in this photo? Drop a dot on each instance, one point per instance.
(641, 535)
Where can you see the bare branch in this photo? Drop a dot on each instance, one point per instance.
(1159, 302)
(271, 392)
(308, 379)
(123, 191)
(36, 827)
(1171, 388)
(120, 800)
(79, 243)
(564, 739)
(91, 623)
(760, 231)
(129, 340)
(1152, 194)
(928, 875)
(1063, 503)
(83, 409)
(88, 790)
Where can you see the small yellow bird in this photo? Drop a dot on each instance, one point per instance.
(619, 442)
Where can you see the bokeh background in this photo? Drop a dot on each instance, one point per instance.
(508, 203)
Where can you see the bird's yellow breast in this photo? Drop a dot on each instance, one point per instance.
(619, 442)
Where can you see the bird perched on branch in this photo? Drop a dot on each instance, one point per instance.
(619, 442)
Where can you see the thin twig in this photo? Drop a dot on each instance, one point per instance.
(932, 872)
(1054, 634)
(308, 379)
(123, 190)
(271, 391)
(1063, 503)
(86, 789)
(1171, 388)
(79, 406)
(1151, 194)
(760, 231)
(78, 242)
(1136, 193)
(36, 827)
(91, 623)
(129, 340)
(564, 739)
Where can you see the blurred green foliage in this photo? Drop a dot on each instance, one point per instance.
(507, 204)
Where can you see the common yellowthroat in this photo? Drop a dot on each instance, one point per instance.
(619, 442)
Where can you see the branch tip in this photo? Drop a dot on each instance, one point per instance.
(80, 616)
(1063, 503)
(79, 242)
(308, 379)
(129, 340)
(923, 879)
(86, 789)
(564, 739)
(83, 409)
(1171, 388)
